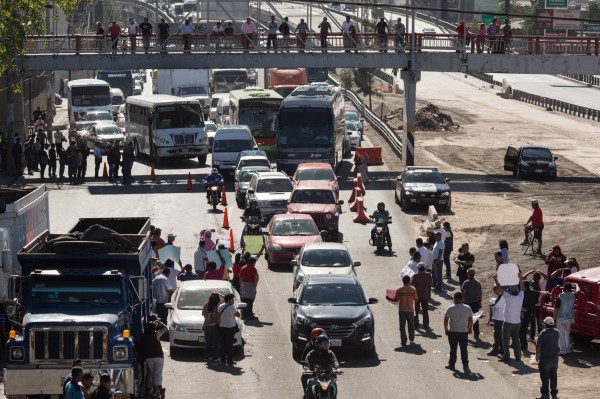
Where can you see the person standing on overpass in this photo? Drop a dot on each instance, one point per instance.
(347, 32)
(249, 32)
(302, 31)
(324, 29)
(382, 29)
(400, 31)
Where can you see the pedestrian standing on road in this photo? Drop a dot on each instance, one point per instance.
(249, 32)
(503, 244)
(272, 33)
(458, 324)
(497, 312)
(52, 161)
(226, 319)
(104, 389)
(512, 318)
(212, 273)
(133, 32)
(114, 31)
(324, 30)
(128, 160)
(530, 300)
(413, 263)
(97, 160)
(163, 35)
(186, 30)
(116, 158)
(406, 296)
(400, 31)
(236, 269)
(146, 29)
(426, 255)
(101, 36)
(187, 274)
(173, 273)
(422, 281)
(302, 34)
(473, 297)
(564, 314)
(546, 353)
(382, 29)
(61, 88)
(37, 114)
(62, 161)
(348, 41)
(159, 240)
(86, 384)
(248, 282)
(18, 156)
(438, 261)
(85, 153)
(448, 248)
(161, 291)
(58, 137)
(465, 261)
(44, 161)
(152, 353)
(72, 389)
(210, 327)
(284, 29)
(200, 260)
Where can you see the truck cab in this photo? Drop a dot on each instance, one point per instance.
(80, 299)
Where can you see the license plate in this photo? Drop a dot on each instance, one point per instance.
(200, 338)
(335, 342)
(538, 171)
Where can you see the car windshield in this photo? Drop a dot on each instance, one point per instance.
(274, 186)
(195, 298)
(315, 174)
(117, 100)
(351, 126)
(254, 162)
(99, 116)
(214, 102)
(209, 127)
(313, 197)
(225, 110)
(325, 258)
(226, 145)
(352, 117)
(333, 294)
(536, 154)
(295, 228)
(84, 125)
(424, 177)
(46, 290)
(246, 176)
(109, 130)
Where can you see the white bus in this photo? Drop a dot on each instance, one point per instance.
(88, 95)
(165, 126)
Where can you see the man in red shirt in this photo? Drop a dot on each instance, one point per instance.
(114, 31)
(248, 283)
(537, 224)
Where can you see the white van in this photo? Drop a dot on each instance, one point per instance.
(228, 143)
(223, 111)
(214, 103)
(116, 99)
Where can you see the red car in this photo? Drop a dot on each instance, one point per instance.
(317, 199)
(317, 171)
(286, 234)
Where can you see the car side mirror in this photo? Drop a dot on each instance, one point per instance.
(338, 178)
(555, 158)
(355, 264)
(373, 301)
(341, 202)
(292, 300)
(168, 305)
(294, 262)
(266, 233)
(399, 178)
(323, 233)
(447, 180)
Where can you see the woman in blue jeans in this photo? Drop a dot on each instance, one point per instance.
(210, 327)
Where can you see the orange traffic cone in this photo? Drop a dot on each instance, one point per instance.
(152, 174)
(231, 242)
(223, 198)
(189, 183)
(225, 219)
(354, 205)
(359, 191)
(360, 183)
(105, 172)
(361, 216)
(353, 196)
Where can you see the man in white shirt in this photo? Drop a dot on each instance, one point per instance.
(227, 313)
(133, 31)
(426, 255)
(346, 31)
(173, 273)
(186, 30)
(497, 311)
(438, 227)
(218, 32)
(249, 32)
(200, 260)
(438, 261)
(161, 292)
(512, 318)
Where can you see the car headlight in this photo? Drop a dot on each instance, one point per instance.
(17, 353)
(366, 320)
(277, 247)
(328, 216)
(552, 165)
(120, 352)
(445, 194)
(303, 321)
(216, 163)
(524, 164)
(408, 193)
(177, 327)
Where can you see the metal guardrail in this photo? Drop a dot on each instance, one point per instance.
(590, 79)
(380, 126)
(556, 105)
(486, 78)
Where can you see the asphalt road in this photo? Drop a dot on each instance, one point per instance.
(267, 367)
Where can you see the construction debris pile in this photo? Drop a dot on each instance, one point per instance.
(429, 118)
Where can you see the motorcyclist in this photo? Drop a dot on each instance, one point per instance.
(214, 177)
(251, 211)
(320, 358)
(316, 332)
(379, 214)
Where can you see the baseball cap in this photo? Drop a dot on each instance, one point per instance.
(534, 200)
(549, 321)
(171, 234)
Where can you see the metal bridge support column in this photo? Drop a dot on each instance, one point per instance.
(410, 78)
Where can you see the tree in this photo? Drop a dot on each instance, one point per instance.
(593, 10)
(364, 80)
(19, 18)
(346, 78)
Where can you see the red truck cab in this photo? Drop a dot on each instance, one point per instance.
(587, 303)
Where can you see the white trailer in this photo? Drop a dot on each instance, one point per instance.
(189, 83)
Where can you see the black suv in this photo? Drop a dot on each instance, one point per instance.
(338, 305)
(423, 186)
(530, 160)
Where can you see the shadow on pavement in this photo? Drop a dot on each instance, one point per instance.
(414, 349)
(469, 377)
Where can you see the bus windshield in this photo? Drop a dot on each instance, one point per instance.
(178, 116)
(301, 128)
(259, 121)
(90, 96)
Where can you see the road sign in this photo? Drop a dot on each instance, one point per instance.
(488, 18)
(591, 27)
(573, 21)
(381, 110)
(556, 3)
(543, 18)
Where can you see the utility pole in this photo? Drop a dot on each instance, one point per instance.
(10, 125)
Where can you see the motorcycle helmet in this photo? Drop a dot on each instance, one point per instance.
(322, 342)
(214, 171)
(381, 207)
(534, 201)
(253, 202)
(315, 333)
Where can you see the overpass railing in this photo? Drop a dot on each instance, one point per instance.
(367, 42)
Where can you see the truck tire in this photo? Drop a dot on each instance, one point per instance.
(77, 247)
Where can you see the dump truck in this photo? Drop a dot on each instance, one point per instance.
(80, 295)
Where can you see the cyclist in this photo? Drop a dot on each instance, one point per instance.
(537, 225)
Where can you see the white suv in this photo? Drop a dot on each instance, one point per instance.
(272, 190)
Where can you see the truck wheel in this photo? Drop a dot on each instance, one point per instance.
(202, 159)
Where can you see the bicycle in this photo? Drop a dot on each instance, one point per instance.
(531, 243)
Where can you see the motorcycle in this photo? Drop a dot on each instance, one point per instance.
(325, 387)
(252, 228)
(213, 193)
(381, 231)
